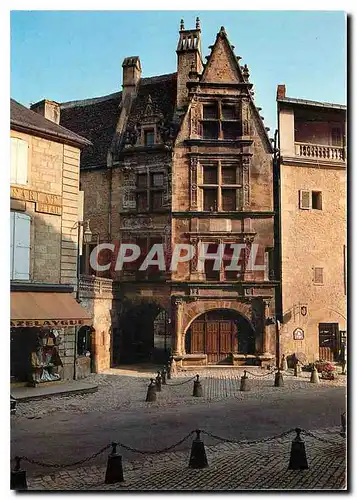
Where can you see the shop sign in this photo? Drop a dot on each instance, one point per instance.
(46, 322)
(48, 209)
(298, 334)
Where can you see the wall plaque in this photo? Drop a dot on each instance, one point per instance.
(298, 334)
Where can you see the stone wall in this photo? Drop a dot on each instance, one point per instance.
(312, 238)
(96, 295)
(53, 178)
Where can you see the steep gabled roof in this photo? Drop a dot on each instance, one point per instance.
(97, 118)
(223, 49)
(162, 91)
(24, 119)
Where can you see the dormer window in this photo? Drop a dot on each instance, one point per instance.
(149, 137)
(220, 121)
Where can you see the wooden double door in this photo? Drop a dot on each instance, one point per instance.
(216, 338)
(329, 341)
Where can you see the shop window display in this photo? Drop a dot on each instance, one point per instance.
(45, 360)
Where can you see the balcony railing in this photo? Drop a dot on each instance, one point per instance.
(93, 286)
(320, 152)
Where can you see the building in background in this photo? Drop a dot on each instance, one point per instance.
(181, 158)
(313, 227)
(45, 213)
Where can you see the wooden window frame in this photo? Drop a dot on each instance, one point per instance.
(220, 186)
(221, 121)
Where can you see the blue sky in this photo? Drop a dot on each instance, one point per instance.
(67, 55)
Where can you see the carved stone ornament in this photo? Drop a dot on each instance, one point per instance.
(131, 135)
(193, 179)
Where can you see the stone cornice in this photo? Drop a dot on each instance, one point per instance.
(297, 161)
(225, 215)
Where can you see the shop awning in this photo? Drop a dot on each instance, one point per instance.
(52, 309)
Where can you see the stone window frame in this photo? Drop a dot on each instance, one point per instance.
(220, 120)
(149, 189)
(148, 128)
(220, 186)
(196, 241)
(318, 275)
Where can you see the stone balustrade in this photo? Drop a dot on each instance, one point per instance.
(92, 286)
(320, 152)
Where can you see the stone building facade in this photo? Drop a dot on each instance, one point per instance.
(313, 185)
(183, 158)
(45, 208)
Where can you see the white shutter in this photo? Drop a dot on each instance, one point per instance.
(305, 199)
(22, 159)
(12, 231)
(19, 161)
(13, 156)
(21, 262)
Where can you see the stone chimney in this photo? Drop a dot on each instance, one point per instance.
(131, 75)
(281, 92)
(48, 109)
(189, 60)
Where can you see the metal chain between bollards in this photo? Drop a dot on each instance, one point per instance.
(244, 442)
(307, 433)
(181, 383)
(265, 374)
(155, 452)
(62, 466)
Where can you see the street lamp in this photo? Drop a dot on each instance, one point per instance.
(87, 238)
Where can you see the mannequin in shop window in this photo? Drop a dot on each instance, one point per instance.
(45, 360)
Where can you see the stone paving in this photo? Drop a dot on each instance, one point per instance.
(260, 466)
(121, 389)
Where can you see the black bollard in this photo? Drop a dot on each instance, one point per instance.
(168, 371)
(244, 384)
(114, 472)
(163, 376)
(18, 480)
(343, 425)
(279, 381)
(158, 382)
(151, 394)
(298, 460)
(197, 388)
(198, 458)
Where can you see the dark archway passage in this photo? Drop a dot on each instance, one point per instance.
(218, 333)
(143, 335)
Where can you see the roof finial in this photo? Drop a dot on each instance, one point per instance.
(223, 30)
(198, 24)
(182, 25)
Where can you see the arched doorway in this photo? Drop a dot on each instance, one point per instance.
(218, 333)
(143, 335)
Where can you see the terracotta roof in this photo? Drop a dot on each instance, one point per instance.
(22, 118)
(96, 119)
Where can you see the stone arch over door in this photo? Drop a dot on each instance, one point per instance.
(191, 311)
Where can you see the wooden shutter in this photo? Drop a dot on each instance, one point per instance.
(305, 199)
(21, 247)
(12, 237)
(318, 275)
(19, 160)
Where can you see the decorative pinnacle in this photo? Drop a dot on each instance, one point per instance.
(198, 24)
(182, 25)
